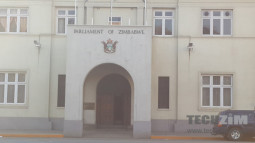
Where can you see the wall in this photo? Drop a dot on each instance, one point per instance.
(18, 53)
(233, 54)
(214, 55)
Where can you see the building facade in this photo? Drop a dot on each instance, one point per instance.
(151, 66)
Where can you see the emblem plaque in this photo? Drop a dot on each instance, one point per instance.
(109, 46)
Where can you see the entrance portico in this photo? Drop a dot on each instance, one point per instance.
(108, 97)
(91, 46)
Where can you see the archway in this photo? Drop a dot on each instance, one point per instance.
(113, 102)
(108, 83)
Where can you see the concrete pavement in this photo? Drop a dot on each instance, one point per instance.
(82, 140)
(32, 133)
(109, 134)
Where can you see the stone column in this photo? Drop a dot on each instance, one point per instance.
(142, 95)
(73, 124)
(142, 106)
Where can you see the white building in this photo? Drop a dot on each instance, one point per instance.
(144, 65)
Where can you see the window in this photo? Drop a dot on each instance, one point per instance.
(163, 92)
(12, 88)
(115, 20)
(163, 23)
(217, 22)
(64, 18)
(216, 90)
(13, 20)
(61, 90)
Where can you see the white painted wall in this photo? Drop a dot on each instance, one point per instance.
(18, 53)
(232, 54)
(218, 55)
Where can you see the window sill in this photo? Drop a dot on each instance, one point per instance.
(164, 109)
(60, 35)
(14, 106)
(60, 108)
(13, 33)
(164, 36)
(217, 36)
(214, 109)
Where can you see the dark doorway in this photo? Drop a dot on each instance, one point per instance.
(113, 102)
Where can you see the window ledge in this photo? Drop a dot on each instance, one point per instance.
(60, 35)
(217, 36)
(14, 33)
(14, 106)
(164, 36)
(164, 109)
(214, 109)
(62, 108)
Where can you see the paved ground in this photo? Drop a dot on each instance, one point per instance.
(82, 140)
(30, 132)
(105, 136)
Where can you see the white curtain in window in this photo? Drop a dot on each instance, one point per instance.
(11, 77)
(227, 96)
(13, 24)
(168, 27)
(10, 93)
(21, 94)
(61, 25)
(158, 26)
(216, 96)
(3, 11)
(206, 97)
(1, 93)
(23, 24)
(13, 11)
(22, 77)
(3, 24)
(2, 77)
(71, 21)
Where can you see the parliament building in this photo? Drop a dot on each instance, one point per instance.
(143, 65)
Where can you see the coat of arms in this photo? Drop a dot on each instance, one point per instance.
(110, 46)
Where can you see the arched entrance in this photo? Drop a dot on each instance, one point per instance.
(113, 102)
(108, 98)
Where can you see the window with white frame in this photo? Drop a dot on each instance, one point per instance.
(115, 20)
(12, 88)
(217, 22)
(64, 17)
(13, 20)
(163, 22)
(216, 90)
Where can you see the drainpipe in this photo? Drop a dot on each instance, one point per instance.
(50, 65)
(177, 79)
(85, 16)
(75, 5)
(145, 12)
(111, 11)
